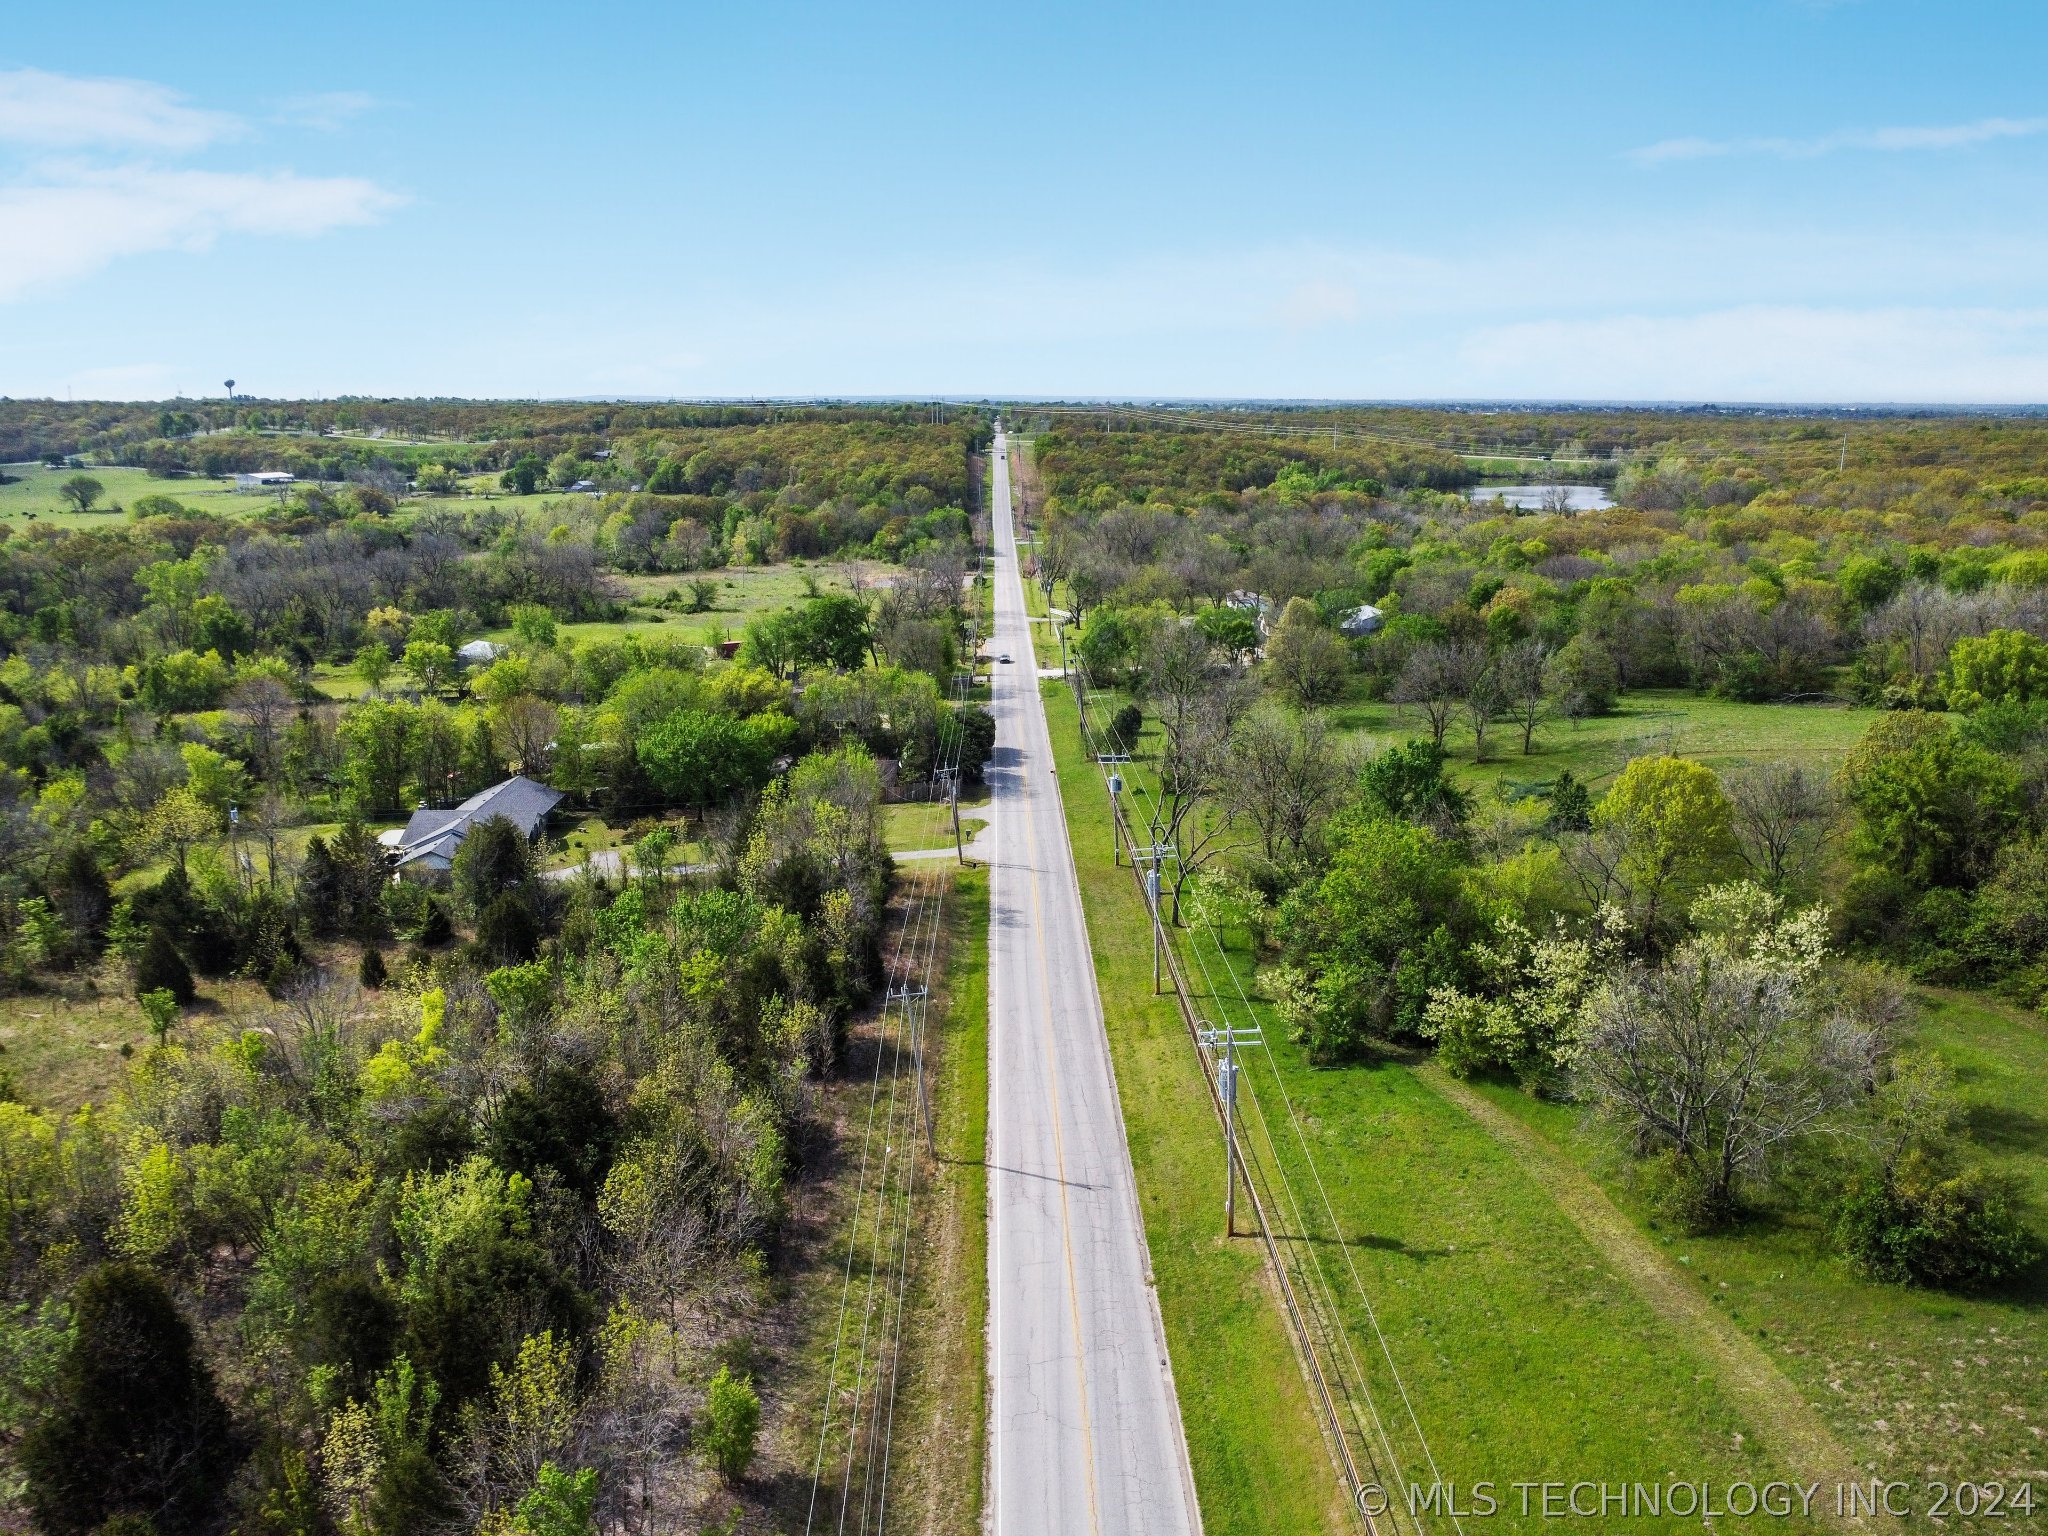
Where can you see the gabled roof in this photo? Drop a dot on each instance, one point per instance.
(437, 834)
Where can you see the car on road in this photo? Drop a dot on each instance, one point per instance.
(1004, 659)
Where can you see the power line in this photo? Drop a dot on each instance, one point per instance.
(1327, 1292)
(872, 1413)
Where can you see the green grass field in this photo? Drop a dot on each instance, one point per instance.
(913, 824)
(1910, 1383)
(33, 490)
(936, 1468)
(1524, 1353)
(1918, 1384)
(937, 1442)
(1719, 732)
(64, 1043)
(1252, 1434)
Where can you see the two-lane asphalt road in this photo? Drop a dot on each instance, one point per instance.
(1085, 1433)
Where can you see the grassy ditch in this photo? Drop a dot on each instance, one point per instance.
(1259, 1460)
(1525, 1351)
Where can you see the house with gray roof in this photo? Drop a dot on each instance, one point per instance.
(428, 842)
(1361, 621)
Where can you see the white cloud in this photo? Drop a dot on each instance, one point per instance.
(66, 228)
(1769, 353)
(326, 111)
(111, 196)
(1943, 136)
(1316, 303)
(52, 111)
(1685, 312)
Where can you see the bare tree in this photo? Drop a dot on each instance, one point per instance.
(1483, 703)
(1435, 678)
(1286, 775)
(1520, 672)
(1304, 658)
(265, 705)
(932, 588)
(525, 728)
(1053, 560)
(1196, 701)
(1722, 1058)
(1783, 818)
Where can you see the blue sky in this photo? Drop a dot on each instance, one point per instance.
(1782, 200)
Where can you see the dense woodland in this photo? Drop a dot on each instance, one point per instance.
(461, 1229)
(455, 1232)
(1714, 962)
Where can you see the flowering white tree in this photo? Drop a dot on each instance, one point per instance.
(1733, 1047)
(1528, 1019)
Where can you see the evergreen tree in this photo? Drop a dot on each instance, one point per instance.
(162, 968)
(80, 895)
(493, 861)
(1571, 805)
(135, 1424)
(319, 898)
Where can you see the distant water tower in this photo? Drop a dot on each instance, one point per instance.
(231, 389)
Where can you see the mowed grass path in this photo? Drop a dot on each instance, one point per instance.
(1918, 1384)
(1524, 1352)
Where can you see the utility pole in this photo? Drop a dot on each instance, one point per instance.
(1230, 1038)
(951, 776)
(1152, 898)
(1116, 840)
(908, 995)
(1157, 855)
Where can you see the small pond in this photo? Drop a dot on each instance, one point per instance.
(1534, 498)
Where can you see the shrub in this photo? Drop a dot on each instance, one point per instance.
(1680, 1195)
(559, 1504)
(732, 1417)
(436, 927)
(370, 971)
(160, 1008)
(1957, 1231)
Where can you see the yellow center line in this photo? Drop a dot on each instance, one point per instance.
(1058, 1142)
